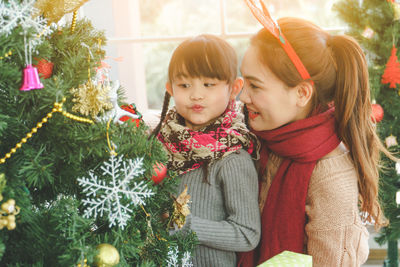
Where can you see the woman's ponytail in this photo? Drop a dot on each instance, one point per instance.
(355, 126)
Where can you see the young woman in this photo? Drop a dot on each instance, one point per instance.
(319, 156)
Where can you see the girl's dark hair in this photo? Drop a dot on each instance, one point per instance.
(202, 56)
(338, 67)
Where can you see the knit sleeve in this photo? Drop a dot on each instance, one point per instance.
(335, 234)
(240, 230)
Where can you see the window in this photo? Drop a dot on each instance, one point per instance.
(144, 34)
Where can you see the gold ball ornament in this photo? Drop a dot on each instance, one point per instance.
(8, 206)
(84, 264)
(11, 225)
(11, 218)
(108, 255)
(3, 223)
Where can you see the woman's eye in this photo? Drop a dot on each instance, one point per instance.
(253, 86)
(209, 84)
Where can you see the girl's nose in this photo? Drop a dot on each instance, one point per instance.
(196, 95)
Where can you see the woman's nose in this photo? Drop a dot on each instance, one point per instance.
(244, 96)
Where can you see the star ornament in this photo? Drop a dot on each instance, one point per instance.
(181, 208)
(91, 99)
(54, 10)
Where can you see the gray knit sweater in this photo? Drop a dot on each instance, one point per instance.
(224, 213)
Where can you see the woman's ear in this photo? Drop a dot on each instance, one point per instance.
(305, 92)
(236, 87)
(168, 87)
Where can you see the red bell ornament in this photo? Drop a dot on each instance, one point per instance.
(377, 113)
(30, 79)
(161, 171)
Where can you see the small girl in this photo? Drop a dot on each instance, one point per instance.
(208, 144)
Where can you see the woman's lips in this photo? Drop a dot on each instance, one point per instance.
(253, 114)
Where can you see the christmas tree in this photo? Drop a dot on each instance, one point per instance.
(81, 184)
(375, 24)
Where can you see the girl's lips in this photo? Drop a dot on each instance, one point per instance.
(253, 114)
(197, 108)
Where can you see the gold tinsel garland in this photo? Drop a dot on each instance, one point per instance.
(57, 108)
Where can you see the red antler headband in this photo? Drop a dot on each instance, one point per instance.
(265, 19)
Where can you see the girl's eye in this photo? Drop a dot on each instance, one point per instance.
(209, 84)
(184, 85)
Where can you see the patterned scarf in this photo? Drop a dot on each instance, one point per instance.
(189, 149)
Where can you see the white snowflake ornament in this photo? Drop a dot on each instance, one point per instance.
(110, 196)
(172, 260)
(187, 259)
(398, 168)
(13, 14)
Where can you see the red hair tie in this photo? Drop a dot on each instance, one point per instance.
(265, 19)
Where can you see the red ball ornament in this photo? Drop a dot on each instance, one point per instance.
(377, 113)
(161, 172)
(45, 68)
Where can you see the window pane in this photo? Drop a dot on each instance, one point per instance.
(157, 56)
(100, 13)
(240, 45)
(179, 17)
(239, 17)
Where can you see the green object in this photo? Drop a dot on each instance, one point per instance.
(288, 259)
(393, 255)
(42, 175)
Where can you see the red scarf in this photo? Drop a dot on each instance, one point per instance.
(301, 144)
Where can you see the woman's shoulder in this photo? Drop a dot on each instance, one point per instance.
(335, 172)
(336, 162)
(332, 198)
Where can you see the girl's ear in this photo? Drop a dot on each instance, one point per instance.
(169, 88)
(304, 94)
(236, 87)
